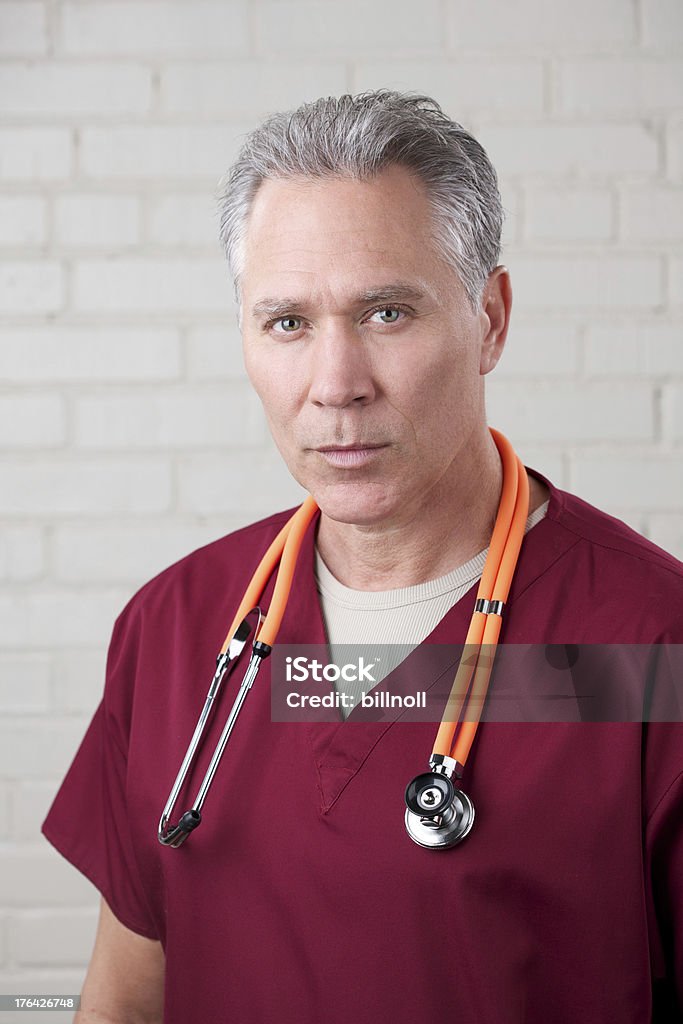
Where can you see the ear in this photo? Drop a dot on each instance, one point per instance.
(496, 305)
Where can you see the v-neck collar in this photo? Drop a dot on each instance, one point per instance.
(339, 749)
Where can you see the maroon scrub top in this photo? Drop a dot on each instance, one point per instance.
(302, 899)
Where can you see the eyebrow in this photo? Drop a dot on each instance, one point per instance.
(385, 293)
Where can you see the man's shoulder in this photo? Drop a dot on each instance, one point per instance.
(610, 540)
(589, 576)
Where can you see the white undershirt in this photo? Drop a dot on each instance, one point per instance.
(388, 624)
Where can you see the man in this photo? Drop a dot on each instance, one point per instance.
(363, 234)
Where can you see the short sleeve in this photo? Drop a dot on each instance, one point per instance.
(89, 820)
(664, 859)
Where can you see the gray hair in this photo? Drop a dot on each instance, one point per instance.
(359, 136)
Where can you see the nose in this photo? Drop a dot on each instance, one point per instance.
(340, 368)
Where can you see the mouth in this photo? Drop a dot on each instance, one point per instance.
(350, 456)
(357, 446)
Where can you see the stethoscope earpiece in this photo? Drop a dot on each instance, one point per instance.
(438, 815)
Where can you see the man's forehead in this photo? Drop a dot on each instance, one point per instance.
(337, 212)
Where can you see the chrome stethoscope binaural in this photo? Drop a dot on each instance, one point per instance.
(438, 814)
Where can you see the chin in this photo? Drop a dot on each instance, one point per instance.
(355, 503)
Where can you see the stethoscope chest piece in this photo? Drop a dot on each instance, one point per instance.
(437, 814)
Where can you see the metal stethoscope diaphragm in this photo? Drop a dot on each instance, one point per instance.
(438, 814)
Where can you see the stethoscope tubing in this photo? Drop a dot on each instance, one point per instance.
(472, 676)
(285, 549)
(484, 629)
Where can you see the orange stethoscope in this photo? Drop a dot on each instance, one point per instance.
(438, 814)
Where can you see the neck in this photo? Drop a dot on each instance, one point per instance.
(432, 535)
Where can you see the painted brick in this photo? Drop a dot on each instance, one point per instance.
(572, 412)
(24, 684)
(215, 353)
(571, 148)
(67, 486)
(662, 24)
(22, 553)
(652, 214)
(634, 350)
(182, 220)
(73, 90)
(154, 28)
(674, 150)
(22, 220)
(32, 421)
(676, 281)
(72, 354)
(606, 479)
(512, 213)
(56, 739)
(545, 458)
(156, 152)
(145, 285)
(608, 282)
(672, 407)
(209, 485)
(59, 617)
(30, 802)
(538, 351)
(537, 25)
(569, 214)
(597, 87)
(29, 874)
(79, 678)
(54, 937)
(459, 86)
(35, 154)
(23, 28)
(350, 28)
(667, 531)
(210, 418)
(240, 87)
(36, 287)
(92, 554)
(5, 829)
(89, 220)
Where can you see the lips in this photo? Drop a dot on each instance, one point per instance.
(348, 457)
(358, 446)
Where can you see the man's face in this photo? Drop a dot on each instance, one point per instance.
(369, 342)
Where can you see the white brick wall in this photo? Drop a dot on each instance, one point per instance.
(31, 287)
(95, 221)
(23, 28)
(73, 91)
(22, 220)
(128, 435)
(536, 26)
(35, 155)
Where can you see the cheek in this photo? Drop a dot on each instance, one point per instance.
(436, 384)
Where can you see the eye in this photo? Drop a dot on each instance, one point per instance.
(393, 313)
(290, 324)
